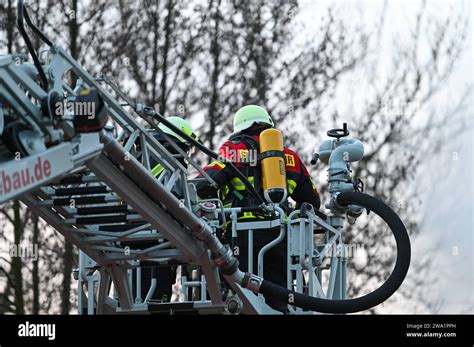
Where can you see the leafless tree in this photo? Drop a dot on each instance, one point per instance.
(399, 128)
(77, 28)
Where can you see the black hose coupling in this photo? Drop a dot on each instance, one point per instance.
(252, 282)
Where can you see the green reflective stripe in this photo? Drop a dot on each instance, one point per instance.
(248, 215)
(239, 185)
(236, 179)
(224, 191)
(291, 185)
(157, 170)
(156, 167)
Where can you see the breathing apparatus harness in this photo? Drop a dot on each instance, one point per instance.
(256, 170)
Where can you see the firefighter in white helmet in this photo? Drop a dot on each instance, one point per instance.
(251, 122)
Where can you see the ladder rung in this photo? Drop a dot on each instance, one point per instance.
(80, 201)
(80, 190)
(102, 209)
(100, 220)
(77, 179)
(142, 237)
(120, 227)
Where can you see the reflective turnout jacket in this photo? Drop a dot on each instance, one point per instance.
(231, 190)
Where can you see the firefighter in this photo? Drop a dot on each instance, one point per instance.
(166, 275)
(241, 148)
(185, 127)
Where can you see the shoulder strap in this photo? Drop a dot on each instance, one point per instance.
(251, 144)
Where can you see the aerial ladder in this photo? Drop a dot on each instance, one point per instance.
(78, 155)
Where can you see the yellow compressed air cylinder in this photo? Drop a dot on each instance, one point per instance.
(273, 166)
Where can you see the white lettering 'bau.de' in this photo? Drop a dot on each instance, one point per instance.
(37, 330)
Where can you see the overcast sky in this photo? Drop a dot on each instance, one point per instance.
(445, 183)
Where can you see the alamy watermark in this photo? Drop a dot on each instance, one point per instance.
(84, 108)
(394, 107)
(25, 251)
(28, 329)
(349, 250)
(243, 156)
